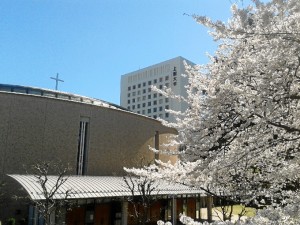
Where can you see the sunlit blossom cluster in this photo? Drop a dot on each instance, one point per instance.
(241, 131)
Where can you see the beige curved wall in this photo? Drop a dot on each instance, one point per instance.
(37, 128)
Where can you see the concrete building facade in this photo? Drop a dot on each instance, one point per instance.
(94, 137)
(138, 96)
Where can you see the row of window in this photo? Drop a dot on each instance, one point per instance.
(155, 116)
(161, 116)
(139, 92)
(155, 102)
(155, 81)
(138, 106)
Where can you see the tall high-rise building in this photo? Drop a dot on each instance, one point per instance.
(138, 96)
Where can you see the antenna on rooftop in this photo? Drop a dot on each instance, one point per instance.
(57, 80)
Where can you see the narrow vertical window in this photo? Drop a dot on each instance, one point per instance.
(156, 144)
(82, 146)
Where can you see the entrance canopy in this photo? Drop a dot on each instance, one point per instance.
(91, 187)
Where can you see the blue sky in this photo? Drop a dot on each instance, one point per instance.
(91, 43)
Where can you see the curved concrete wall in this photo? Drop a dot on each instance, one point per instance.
(37, 128)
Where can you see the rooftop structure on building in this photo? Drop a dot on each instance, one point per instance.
(138, 96)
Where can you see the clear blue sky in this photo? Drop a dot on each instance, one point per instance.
(91, 43)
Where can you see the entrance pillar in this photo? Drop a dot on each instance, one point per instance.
(52, 217)
(174, 210)
(156, 145)
(209, 208)
(124, 212)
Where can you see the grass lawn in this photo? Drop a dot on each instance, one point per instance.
(250, 212)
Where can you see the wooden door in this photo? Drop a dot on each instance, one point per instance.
(75, 216)
(102, 214)
(191, 207)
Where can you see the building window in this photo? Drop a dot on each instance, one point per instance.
(149, 89)
(129, 88)
(149, 96)
(149, 103)
(149, 110)
(154, 95)
(143, 111)
(155, 116)
(133, 87)
(167, 107)
(160, 101)
(167, 115)
(167, 85)
(133, 100)
(82, 151)
(133, 93)
(160, 79)
(160, 108)
(138, 106)
(149, 82)
(144, 97)
(144, 91)
(128, 107)
(133, 107)
(138, 111)
(166, 100)
(155, 81)
(139, 85)
(138, 99)
(128, 101)
(144, 104)
(155, 102)
(144, 84)
(154, 109)
(167, 78)
(128, 95)
(160, 86)
(139, 92)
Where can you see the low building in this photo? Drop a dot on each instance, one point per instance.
(112, 200)
(95, 138)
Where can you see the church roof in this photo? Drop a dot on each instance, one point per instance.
(57, 94)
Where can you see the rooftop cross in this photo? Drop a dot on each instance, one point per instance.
(56, 79)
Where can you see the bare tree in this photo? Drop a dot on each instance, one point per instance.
(50, 186)
(142, 190)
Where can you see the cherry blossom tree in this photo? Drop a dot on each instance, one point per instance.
(241, 132)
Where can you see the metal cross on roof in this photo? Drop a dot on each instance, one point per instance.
(57, 80)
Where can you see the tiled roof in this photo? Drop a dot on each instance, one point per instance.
(84, 187)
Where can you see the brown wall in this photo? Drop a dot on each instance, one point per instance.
(35, 128)
(38, 128)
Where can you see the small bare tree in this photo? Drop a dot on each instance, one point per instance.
(50, 204)
(142, 190)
